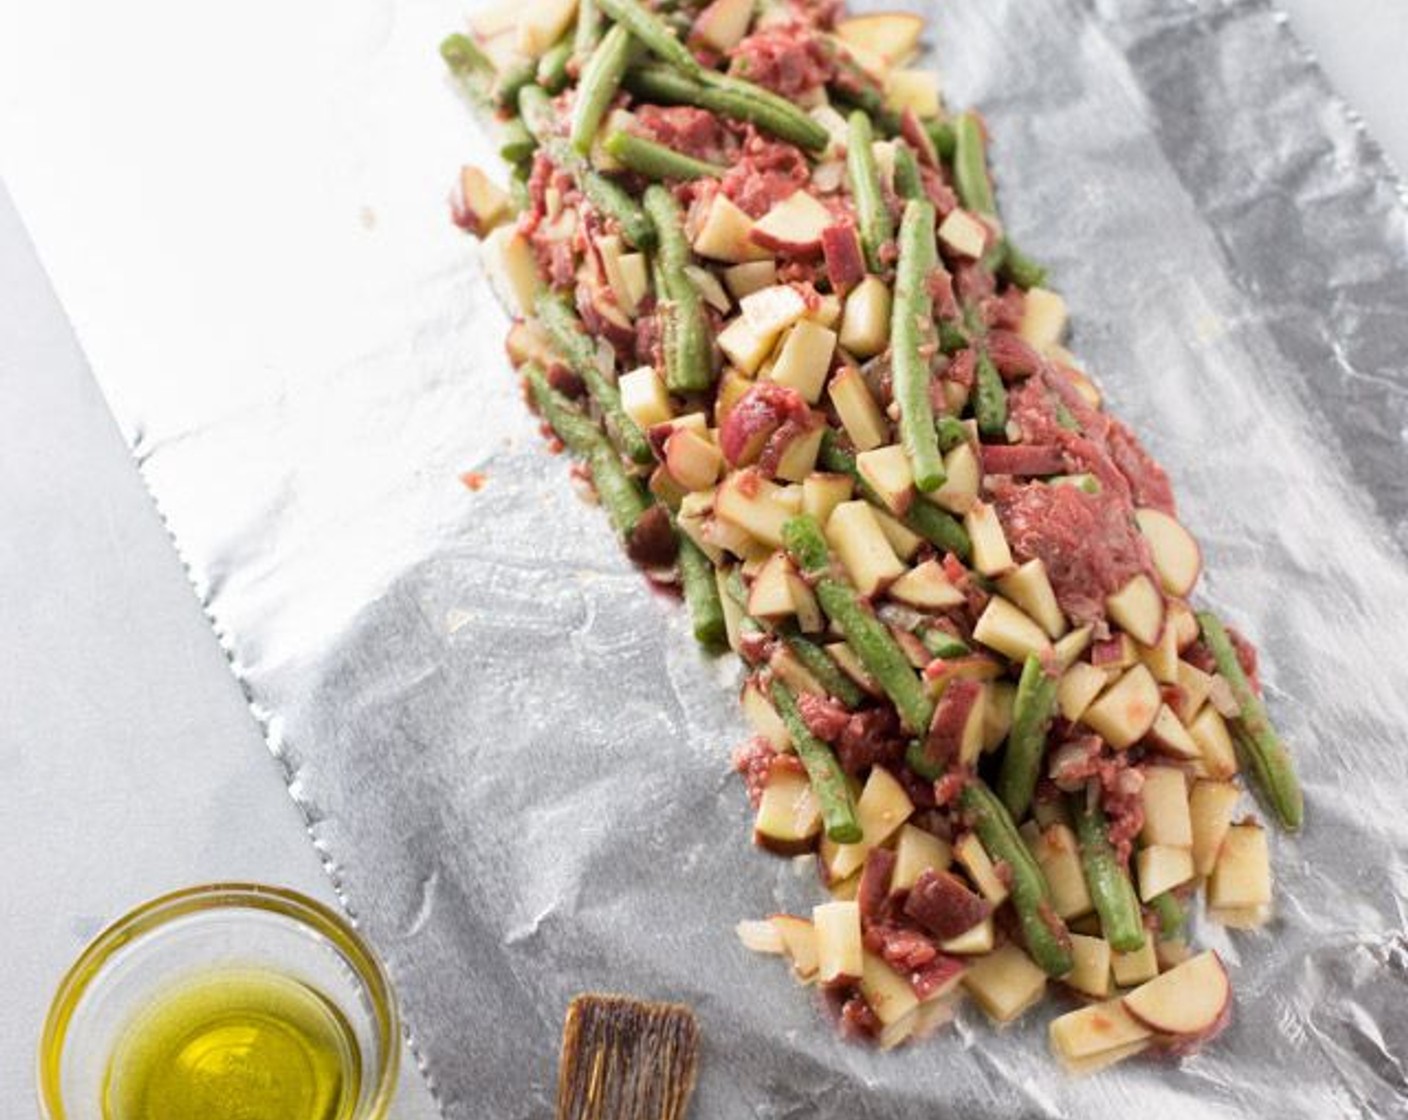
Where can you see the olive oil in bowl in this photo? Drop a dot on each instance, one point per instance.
(235, 1045)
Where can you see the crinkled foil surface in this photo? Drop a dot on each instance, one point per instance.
(508, 748)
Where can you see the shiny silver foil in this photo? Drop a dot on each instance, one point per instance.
(507, 747)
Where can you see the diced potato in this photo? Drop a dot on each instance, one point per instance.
(1136, 966)
(889, 994)
(970, 853)
(1241, 877)
(883, 806)
(838, 943)
(856, 536)
(913, 89)
(726, 234)
(749, 277)
(1138, 609)
(1164, 797)
(893, 36)
(1162, 658)
(844, 890)
(1170, 737)
(1218, 757)
(799, 941)
(770, 596)
(904, 541)
(542, 23)
(804, 359)
(888, 472)
(1005, 628)
(486, 204)
(997, 718)
(733, 613)
(512, 269)
(1240, 917)
(751, 504)
(1043, 318)
(722, 25)
(770, 311)
(822, 493)
(1185, 625)
(810, 619)
(1162, 868)
(860, 415)
(763, 717)
(972, 942)
(760, 937)
(798, 460)
(865, 320)
(1125, 711)
(926, 587)
(826, 312)
(963, 478)
(1193, 688)
(635, 281)
(991, 556)
(1029, 588)
(744, 345)
(1210, 808)
(845, 657)
(733, 385)
(964, 234)
(1091, 973)
(1101, 1031)
(692, 459)
(1072, 646)
(789, 818)
(708, 287)
(1005, 983)
(917, 851)
(788, 668)
(1080, 685)
(644, 397)
(1058, 856)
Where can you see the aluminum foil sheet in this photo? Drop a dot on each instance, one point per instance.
(509, 751)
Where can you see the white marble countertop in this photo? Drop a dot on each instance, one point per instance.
(129, 764)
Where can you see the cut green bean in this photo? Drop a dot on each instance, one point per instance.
(1016, 266)
(1263, 751)
(944, 138)
(1032, 712)
(989, 399)
(570, 339)
(970, 166)
(610, 198)
(1047, 938)
(620, 494)
(911, 336)
(908, 183)
(1110, 889)
(601, 78)
(701, 594)
(730, 98)
(552, 67)
(654, 34)
(872, 214)
(587, 34)
(517, 144)
(510, 82)
(470, 67)
(950, 432)
(685, 327)
(864, 633)
(655, 161)
(1173, 919)
(828, 781)
(823, 667)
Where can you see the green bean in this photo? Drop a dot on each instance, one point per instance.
(619, 492)
(587, 34)
(872, 215)
(943, 645)
(552, 67)
(1173, 919)
(908, 183)
(517, 145)
(1032, 712)
(601, 78)
(1016, 266)
(469, 66)
(950, 431)
(608, 197)
(989, 399)
(655, 161)
(685, 328)
(863, 95)
(652, 32)
(970, 166)
(731, 98)
(1110, 888)
(937, 526)
(823, 667)
(864, 633)
(911, 326)
(1263, 751)
(833, 794)
(512, 81)
(1048, 941)
(944, 138)
(701, 593)
(568, 336)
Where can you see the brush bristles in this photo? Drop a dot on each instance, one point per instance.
(625, 1059)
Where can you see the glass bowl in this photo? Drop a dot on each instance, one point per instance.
(199, 939)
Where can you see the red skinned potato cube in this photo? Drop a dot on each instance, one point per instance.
(845, 262)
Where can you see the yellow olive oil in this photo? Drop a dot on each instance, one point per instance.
(235, 1045)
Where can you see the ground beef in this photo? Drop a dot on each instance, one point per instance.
(904, 949)
(824, 717)
(753, 759)
(787, 58)
(766, 172)
(870, 738)
(687, 130)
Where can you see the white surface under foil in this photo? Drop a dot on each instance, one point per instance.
(510, 754)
